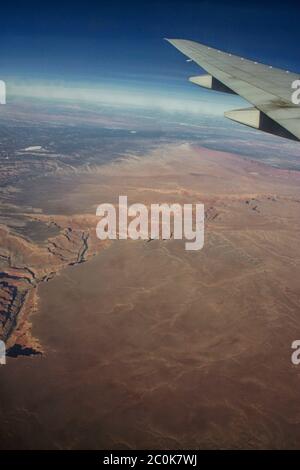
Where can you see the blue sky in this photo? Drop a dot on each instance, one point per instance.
(121, 42)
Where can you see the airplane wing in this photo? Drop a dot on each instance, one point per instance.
(267, 88)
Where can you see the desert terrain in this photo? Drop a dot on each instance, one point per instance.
(141, 344)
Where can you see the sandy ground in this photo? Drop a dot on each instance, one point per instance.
(146, 345)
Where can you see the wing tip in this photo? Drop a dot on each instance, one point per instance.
(173, 40)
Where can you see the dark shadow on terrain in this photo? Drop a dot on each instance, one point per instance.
(18, 350)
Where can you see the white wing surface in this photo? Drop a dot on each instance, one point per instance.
(267, 88)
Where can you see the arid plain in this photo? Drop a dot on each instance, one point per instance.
(143, 344)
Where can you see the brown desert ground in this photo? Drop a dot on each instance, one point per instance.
(142, 344)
